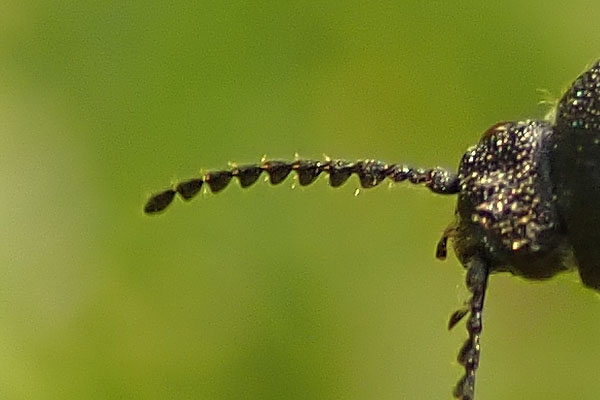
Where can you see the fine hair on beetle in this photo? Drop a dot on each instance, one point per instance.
(527, 198)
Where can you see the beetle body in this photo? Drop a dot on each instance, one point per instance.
(528, 199)
(576, 171)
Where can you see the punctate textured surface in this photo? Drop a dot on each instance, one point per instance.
(270, 292)
(508, 199)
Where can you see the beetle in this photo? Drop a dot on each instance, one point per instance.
(527, 200)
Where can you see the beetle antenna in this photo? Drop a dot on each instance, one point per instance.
(370, 173)
(468, 356)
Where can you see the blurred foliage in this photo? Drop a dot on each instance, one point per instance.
(267, 293)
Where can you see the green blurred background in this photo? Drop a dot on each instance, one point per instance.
(267, 293)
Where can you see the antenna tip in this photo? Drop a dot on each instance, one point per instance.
(159, 201)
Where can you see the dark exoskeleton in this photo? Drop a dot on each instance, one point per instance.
(528, 199)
